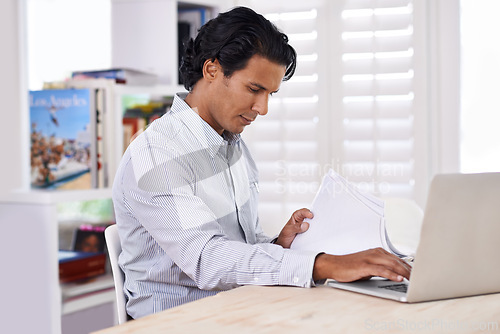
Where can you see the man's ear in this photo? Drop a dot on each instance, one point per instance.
(211, 69)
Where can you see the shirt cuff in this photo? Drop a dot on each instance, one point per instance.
(297, 268)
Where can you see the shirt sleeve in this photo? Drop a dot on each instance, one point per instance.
(163, 199)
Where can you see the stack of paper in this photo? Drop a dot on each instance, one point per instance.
(345, 221)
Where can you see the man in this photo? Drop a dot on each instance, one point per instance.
(185, 194)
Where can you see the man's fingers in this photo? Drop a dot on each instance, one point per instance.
(294, 226)
(391, 262)
(379, 262)
(300, 215)
(386, 273)
(361, 265)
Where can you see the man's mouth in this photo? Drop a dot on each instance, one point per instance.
(247, 120)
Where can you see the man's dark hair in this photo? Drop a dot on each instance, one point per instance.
(233, 38)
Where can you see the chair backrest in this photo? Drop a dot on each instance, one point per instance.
(114, 250)
(403, 219)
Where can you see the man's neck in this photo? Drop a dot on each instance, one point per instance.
(197, 101)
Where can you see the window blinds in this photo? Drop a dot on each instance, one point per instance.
(285, 142)
(350, 106)
(377, 70)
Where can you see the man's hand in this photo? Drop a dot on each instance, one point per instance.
(293, 227)
(362, 265)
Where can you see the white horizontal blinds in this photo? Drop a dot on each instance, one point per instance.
(377, 95)
(284, 143)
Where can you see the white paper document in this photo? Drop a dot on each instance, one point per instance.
(345, 221)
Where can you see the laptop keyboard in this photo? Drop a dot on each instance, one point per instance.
(396, 287)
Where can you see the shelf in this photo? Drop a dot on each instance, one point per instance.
(35, 196)
(88, 301)
(144, 36)
(205, 3)
(78, 296)
(75, 289)
(124, 89)
(153, 90)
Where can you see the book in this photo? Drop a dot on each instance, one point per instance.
(120, 75)
(189, 21)
(183, 36)
(89, 238)
(345, 220)
(140, 112)
(63, 139)
(194, 16)
(102, 93)
(75, 266)
(101, 154)
(132, 127)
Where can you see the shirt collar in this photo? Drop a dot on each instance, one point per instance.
(201, 130)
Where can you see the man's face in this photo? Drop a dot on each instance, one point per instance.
(235, 102)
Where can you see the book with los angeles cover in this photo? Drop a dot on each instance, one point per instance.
(100, 91)
(63, 148)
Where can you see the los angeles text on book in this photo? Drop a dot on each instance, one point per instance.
(79, 265)
(63, 139)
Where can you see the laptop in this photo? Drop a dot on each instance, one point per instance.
(459, 249)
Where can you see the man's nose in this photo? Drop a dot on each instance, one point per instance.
(261, 105)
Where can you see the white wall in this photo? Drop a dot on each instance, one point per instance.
(444, 88)
(13, 96)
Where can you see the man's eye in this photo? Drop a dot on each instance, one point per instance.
(253, 90)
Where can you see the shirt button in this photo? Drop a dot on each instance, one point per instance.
(255, 279)
(295, 280)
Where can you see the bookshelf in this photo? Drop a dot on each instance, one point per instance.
(29, 217)
(135, 39)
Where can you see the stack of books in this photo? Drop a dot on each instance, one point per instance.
(127, 76)
(74, 266)
(140, 114)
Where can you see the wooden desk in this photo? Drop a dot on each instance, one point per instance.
(257, 309)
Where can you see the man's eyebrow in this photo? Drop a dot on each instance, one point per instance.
(262, 87)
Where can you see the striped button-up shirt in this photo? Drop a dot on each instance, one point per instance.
(185, 201)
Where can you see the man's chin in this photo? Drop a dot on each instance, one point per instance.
(237, 130)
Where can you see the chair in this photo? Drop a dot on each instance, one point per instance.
(114, 249)
(403, 222)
